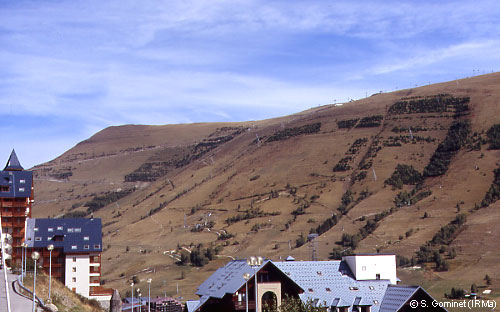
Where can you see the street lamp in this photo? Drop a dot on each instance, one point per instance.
(34, 255)
(50, 248)
(25, 258)
(246, 276)
(132, 285)
(22, 261)
(149, 294)
(254, 263)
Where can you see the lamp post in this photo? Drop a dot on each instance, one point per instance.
(254, 263)
(132, 285)
(246, 276)
(149, 294)
(50, 248)
(34, 255)
(25, 258)
(22, 262)
(139, 300)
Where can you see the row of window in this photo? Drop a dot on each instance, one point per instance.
(74, 247)
(39, 239)
(60, 228)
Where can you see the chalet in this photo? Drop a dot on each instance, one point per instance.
(76, 257)
(16, 197)
(361, 283)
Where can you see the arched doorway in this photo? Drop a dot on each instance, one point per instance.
(269, 301)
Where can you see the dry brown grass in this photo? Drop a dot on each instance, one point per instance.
(62, 297)
(100, 164)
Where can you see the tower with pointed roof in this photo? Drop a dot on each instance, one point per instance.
(16, 198)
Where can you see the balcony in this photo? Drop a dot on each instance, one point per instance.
(95, 260)
(100, 291)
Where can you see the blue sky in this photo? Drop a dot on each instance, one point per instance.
(71, 68)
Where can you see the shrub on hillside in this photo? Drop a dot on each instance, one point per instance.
(291, 132)
(493, 135)
(404, 175)
(455, 138)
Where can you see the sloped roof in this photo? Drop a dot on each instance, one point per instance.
(13, 162)
(191, 305)
(396, 296)
(228, 279)
(79, 235)
(16, 184)
(331, 283)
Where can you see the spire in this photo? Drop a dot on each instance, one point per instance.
(13, 163)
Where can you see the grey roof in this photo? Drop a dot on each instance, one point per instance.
(78, 235)
(16, 183)
(396, 296)
(228, 279)
(331, 283)
(195, 304)
(191, 305)
(13, 163)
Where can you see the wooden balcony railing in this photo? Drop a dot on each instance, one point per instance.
(100, 291)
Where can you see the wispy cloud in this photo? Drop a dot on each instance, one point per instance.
(100, 63)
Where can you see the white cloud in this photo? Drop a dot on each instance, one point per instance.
(101, 63)
(469, 50)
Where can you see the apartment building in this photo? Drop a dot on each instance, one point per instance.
(16, 198)
(76, 254)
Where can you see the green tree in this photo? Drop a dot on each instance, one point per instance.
(293, 304)
(473, 288)
(487, 279)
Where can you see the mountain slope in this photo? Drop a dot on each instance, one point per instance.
(255, 188)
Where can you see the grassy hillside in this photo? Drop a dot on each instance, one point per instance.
(62, 297)
(260, 187)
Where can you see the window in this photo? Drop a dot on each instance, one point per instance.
(375, 302)
(74, 269)
(59, 228)
(50, 229)
(372, 288)
(311, 290)
(4, 189)
(35, 229)
(22, 181)
(73, 247)
(38, 239)
(49, 238)
(70, 230)
(74, 259)
(377, 276)
(74, 279)
(78, 230)
(363, 268)
(86, 238)
(21, 189)
(97, 246)
(86, 246)
(328, 289)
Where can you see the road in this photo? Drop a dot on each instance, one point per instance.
(17, 303)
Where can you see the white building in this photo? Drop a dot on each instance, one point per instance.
(76, 257)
